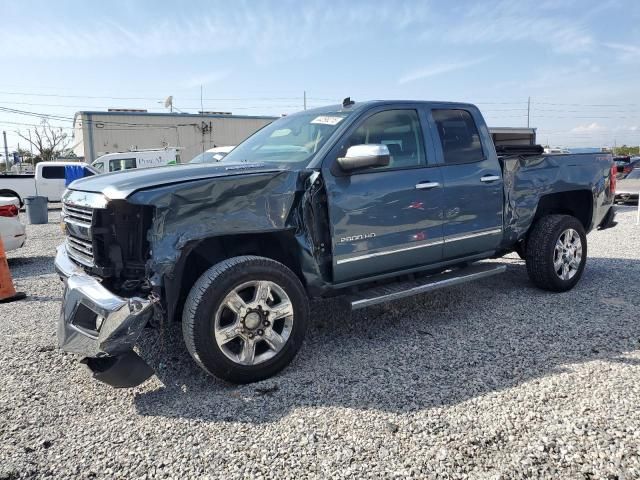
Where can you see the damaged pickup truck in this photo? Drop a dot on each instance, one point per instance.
(375, 200)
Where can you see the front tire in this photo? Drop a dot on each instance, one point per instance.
(245, 319)
(556, 252)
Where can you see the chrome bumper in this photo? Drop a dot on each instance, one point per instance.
(93, 321)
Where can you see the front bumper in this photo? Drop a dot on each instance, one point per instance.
(98, 324)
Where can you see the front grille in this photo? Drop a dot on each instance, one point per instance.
(78, 217)
(106, 238)
(80, 250)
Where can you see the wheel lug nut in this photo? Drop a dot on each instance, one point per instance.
(260, 332)
(266, 323)
(250, 334)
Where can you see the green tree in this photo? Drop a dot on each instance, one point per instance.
(626, 150)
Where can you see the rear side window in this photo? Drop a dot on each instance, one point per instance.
(53, 173)
(459, 136)
(400, 131)
(122, 164)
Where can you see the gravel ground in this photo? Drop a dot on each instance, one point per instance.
(487, 380)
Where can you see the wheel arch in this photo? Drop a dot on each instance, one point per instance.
(11, 193)
(577, 203)
(197, 257)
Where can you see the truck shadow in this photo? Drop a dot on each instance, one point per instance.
(432, 350)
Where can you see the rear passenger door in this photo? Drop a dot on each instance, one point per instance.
(385, 219)
(472, 180)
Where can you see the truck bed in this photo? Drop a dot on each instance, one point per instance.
(529, 178)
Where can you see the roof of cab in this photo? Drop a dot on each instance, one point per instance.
(335, 108)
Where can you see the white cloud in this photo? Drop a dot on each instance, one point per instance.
(439, 69)
(625, 52)
(589, 128)
(506, 22)
(266, 30)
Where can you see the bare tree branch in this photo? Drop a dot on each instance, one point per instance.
(47, 140)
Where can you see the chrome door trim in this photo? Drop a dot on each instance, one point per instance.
(450, 238)
(389, 252)
(466, 236)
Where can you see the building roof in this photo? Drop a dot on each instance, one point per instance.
(190, 116)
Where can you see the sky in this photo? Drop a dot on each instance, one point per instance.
(578, 61)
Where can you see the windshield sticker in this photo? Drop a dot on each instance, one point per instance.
(327, 120)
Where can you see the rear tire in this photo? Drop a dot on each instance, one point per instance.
(245, 319)
(556, 252)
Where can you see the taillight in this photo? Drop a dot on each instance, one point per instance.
(612, 182)
(8, 211)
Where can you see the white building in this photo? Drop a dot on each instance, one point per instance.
(98, 133)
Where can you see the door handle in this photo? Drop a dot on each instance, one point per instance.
(427, 185)
(490, 178)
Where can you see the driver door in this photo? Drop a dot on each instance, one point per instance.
(385, 219)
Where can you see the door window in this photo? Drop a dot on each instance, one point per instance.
(53, 173)
(400, 131)
(459, 136)
(122, 164)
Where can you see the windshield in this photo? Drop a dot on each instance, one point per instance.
(289, 142)
(208, 157)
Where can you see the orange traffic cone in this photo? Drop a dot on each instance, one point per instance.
(7, 291)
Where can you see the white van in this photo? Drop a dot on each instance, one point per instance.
(114, 162)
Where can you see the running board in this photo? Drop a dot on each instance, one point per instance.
(395, 291)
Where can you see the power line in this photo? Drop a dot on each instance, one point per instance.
(106, 97)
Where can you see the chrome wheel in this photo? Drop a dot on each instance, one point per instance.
(254, 322)
(567, 254)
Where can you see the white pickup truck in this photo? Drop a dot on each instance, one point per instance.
(49, 180)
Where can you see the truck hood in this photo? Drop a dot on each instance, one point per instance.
(120, 185)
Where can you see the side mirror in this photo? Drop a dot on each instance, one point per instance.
(363, 156)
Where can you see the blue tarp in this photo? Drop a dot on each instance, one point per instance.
(72, 172)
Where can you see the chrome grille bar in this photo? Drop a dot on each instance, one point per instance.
(79, 216)
(79, 220)
(78, 254)
(81, 245)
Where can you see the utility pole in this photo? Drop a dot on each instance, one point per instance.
(6, 152)
(528, 111)
(304, 96)
(202, 115)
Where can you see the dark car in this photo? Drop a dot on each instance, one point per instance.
(633, 164)
(623, 164)
(374, 201)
